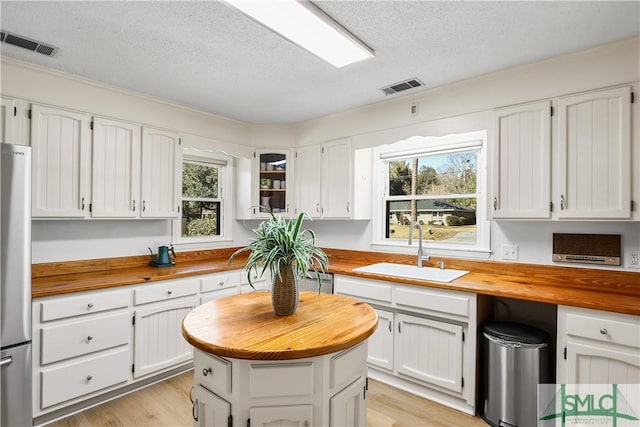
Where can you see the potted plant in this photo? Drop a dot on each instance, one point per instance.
(288, 252)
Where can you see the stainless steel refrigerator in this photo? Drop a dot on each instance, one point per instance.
(15, 286)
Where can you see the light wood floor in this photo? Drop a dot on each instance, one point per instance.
(168, 404)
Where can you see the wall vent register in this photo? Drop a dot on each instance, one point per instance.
(603, 249)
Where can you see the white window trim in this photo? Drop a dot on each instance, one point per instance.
(225, 189)
(425, 145)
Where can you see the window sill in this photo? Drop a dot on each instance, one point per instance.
(195, 245)
(446, 251)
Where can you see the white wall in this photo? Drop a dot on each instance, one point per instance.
(461, 107)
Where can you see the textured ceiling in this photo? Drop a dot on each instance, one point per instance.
(208, 56)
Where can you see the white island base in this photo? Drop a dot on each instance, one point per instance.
(328, 390)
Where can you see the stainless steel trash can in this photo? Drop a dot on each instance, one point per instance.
(516, 360)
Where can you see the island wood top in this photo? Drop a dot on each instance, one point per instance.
(246, 327)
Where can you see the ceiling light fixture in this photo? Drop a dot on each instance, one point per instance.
(309, 27)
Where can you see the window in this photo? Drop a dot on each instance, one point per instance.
(437, 183)
(203, 206)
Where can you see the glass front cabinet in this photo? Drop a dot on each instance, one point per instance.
(271, 184)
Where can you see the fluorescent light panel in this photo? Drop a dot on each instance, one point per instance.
(308, 27)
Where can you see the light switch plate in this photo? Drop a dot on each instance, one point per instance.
(510, 252)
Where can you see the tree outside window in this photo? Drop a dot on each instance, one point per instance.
(201, 201)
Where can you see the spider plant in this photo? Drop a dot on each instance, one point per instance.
(281, 243)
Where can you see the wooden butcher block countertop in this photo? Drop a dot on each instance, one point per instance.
(610, 290)
(246, 327)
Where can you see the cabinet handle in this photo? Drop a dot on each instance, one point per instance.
(207, 371)
(194, 410)
(134, 205)
(287, 210)
(318, 207)
(89, 378)
(6, 361)
(169, 292)
(347, 207)
(90, 305)
(82, 203)
(399, 327)
(604, 331)
(89, 338)
(390, 330)
(495, 203)
(144, 206)
(562, 202)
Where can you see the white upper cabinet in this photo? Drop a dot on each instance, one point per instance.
(337, 181)
(12, 122)
(594, 155)
(308, 180)
(161, 174)
(116, 169)
(522, 162)
(61, 153)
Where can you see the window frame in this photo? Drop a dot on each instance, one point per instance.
(223, 163)
(418, 146)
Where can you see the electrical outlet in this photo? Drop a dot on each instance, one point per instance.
(632, 258)
(510, 252)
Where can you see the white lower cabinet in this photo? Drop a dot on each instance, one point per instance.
(209, 409)
(430, 351)
(425, 342)
(597, 347)
(97, 344)
(327, 390)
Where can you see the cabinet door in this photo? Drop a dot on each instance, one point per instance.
(281, 416)
(594, 154)
(61, 163)
(601, 364)
(159, 343)
(429, 351)
(522, 162)
(161, 174)
(116, 169)
(10, 126)
(381, 342)
(308, 180)
(337, 179)
(348, 407)
(273, 182)
(209, 409)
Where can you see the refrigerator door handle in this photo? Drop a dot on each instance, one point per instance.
(6, 361)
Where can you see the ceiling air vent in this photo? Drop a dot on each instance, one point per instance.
(26, 43)
(401, 86)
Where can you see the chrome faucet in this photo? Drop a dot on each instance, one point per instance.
(420, 254)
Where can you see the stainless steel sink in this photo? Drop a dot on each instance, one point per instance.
(412, 272)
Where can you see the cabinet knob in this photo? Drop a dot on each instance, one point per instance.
(207, 371)
(89, 338)
(604, 331)
(169, 292)
(89, 378)
(221, 284)
(90, 305)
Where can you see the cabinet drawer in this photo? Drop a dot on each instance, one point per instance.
(623, 330)
(212, 372)
(84, 337)
(67, 382)
(162, 291)
(256, 279)
(366, 289)
(210, 296)
(348, 366)
(432, 300)
(84, 304)
(291, 379)
(220, 281)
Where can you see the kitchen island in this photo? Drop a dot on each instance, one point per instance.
(308, 368)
